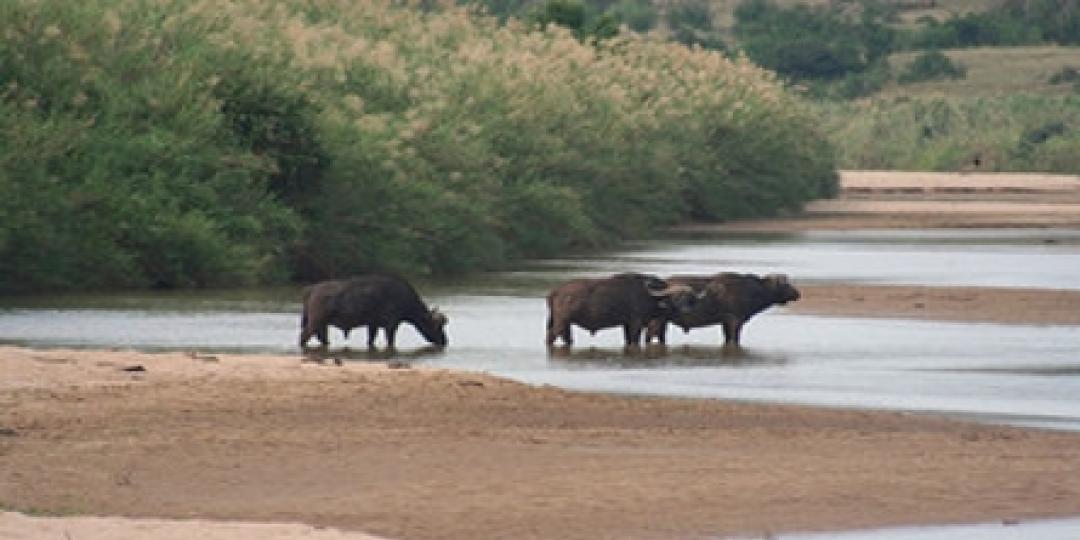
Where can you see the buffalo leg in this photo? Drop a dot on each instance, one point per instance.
(632, 333)
(313, 328)
(372, 334)
(557, 327)
(732, 329)
(657, 329)
(391, 334)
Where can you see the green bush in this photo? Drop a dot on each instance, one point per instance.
(803, 42)
(639, 15)
(275, 120)
(1008, 23)
(931, 65)
(122, 171)
(1067, 74)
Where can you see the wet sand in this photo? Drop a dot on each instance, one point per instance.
(424, 453)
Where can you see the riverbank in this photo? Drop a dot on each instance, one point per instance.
(925, 200)
(960, 304)
(424, 453)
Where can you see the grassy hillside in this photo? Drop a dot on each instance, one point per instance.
(953, 133)
(1004, 115)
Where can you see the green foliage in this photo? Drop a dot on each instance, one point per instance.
(639, 15)
(690, 13)
(566, 13)
(273, 119)
(802, 42)
(854, 85)
(190, 143)
(929, 66)
(118, 171)
(690, 23)
(575, 15)
(1014, 22)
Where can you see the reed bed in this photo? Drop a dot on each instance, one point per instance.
(179, 143)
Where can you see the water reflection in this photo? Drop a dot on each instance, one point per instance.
(1050, 529)
(659, 356)
(371, 354)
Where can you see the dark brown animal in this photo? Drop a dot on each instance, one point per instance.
(375, 301)
(629, 300)
(729, 299)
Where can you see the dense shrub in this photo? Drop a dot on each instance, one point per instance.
(117, 169)
(1067, 74)
(1013, 22)
(200, 143)
(803, 42)
(690, 23)
(931, 65)
(639, 15)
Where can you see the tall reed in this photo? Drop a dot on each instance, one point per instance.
(224, 142)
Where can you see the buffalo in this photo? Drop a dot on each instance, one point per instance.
(729, 299)
(376, 301)
(629, 300)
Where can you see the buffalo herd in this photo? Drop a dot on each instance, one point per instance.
(643, 305)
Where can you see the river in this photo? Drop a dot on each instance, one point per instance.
(1016, 374)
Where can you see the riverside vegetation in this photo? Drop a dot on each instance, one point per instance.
(198, 143)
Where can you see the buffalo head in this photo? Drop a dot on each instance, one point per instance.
(434, 327)
(781, 289)
(675, 299)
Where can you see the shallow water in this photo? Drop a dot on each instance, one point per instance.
(1017, 374)
(1059, 529)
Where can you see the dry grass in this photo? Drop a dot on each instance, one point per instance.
(940, 10)
(994, 71)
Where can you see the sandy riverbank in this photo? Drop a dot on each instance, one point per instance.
(900, 200)
(963, 304)
(419, 453)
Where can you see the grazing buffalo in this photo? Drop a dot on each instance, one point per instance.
(375, 301)
(629, 300)
(729, 299)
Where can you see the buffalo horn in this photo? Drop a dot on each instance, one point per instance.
(670, 290)
(779, 279)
